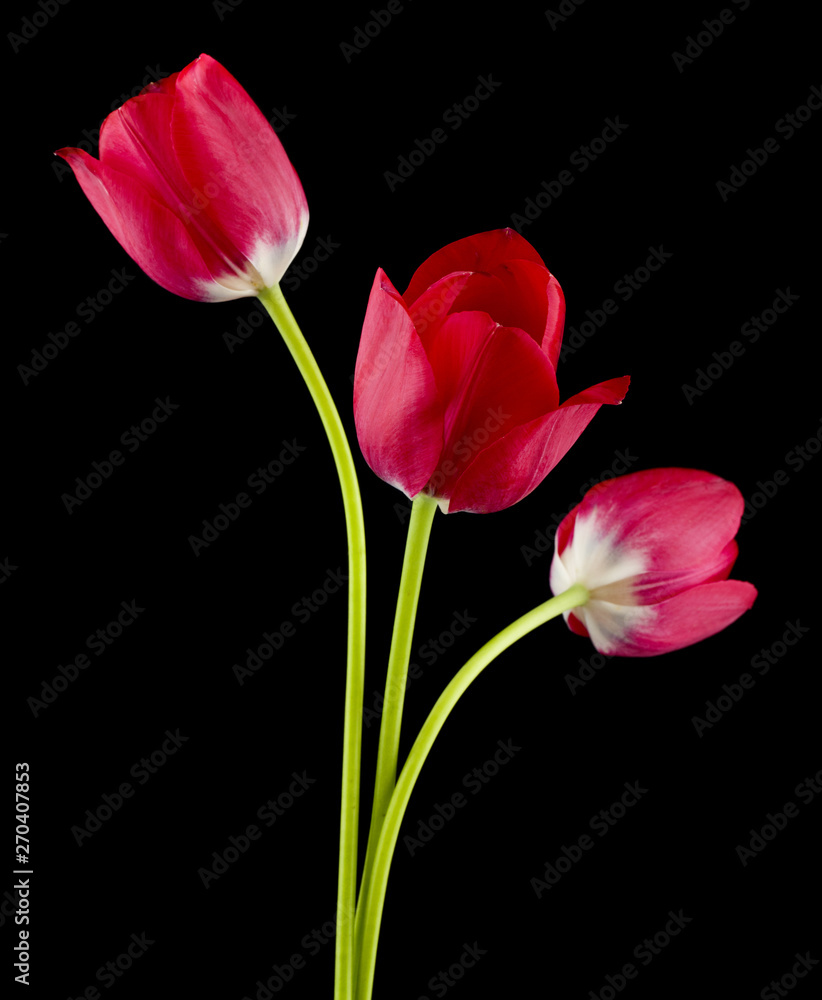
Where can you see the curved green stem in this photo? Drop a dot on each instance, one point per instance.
(275, 304)
(369, 912)
(423, 508)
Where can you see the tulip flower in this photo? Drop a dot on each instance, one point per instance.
(654, 550)
(196, 187)
(455, 388)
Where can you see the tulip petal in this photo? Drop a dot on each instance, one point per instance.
(136, 140)
(454, 355)
(223, 144)
(397, 410)
(680, 521)
(652, 585)
(611, 391)
(575, 625)
(510, 468)
(145, 228)
(649, 630)
(431, 309)
(523, 294)
(554, 321)
(482, 252)
(491, 378)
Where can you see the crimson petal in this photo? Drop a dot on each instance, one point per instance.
(513, 466)
(233, 160)
(682, 620)
(482, 252)
(397, 410)
(146, 229)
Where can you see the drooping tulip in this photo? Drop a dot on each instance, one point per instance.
(654, 549)
(194, 184)
(455, 388)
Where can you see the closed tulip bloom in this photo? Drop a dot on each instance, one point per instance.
(196, 187)
(455, 389)
(654, 549)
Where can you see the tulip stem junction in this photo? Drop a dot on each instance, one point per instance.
(423, 508)
(369, 911)
(344, 970)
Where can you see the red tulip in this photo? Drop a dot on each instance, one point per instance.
(455, 389)
(654, 549)
(196, 187)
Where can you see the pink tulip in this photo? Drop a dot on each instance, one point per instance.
(455, 389)
(196, 187)
(654, 549)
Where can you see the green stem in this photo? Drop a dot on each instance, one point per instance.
(369, 912)
(272, 299)
(423, 508)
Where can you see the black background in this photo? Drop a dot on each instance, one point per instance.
(172, 669)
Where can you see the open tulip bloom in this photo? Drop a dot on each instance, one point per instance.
(455, 389)
(455, 403)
